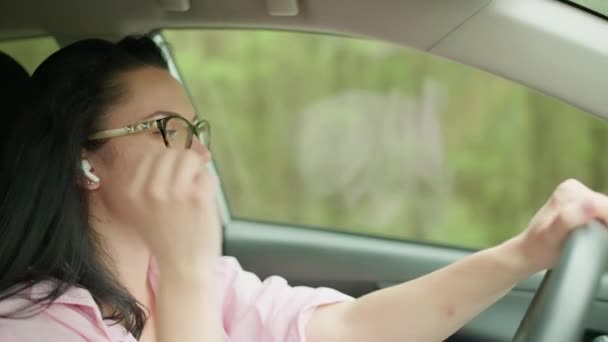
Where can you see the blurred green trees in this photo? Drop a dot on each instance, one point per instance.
(372, 138)
(600, 6)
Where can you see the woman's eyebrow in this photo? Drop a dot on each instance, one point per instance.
(153, 114)
(164, 113)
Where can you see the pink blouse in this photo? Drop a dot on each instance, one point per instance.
(252, 310)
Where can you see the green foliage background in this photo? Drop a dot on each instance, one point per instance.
(300, 136)
(600, 6)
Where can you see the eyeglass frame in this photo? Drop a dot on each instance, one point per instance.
(160, 124)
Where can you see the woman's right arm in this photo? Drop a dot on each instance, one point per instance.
(188, 307)
(173, 205)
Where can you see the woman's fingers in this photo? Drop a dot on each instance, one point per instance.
(173, 207)
(568, 191)
(140, 178)
(572, 205)
(570, 216)
(595, 206)
(186, 170)
(159, 178)
(579, 205)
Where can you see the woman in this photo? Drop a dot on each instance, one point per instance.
(109, 229)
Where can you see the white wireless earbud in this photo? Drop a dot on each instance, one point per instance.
(86, 168)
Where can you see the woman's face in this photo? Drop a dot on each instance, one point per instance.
(150, 92)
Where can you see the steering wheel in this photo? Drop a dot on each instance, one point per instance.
(560, 306)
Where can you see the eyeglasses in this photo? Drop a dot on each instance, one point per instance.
(177, 131)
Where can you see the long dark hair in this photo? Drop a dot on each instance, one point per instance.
(44, 228)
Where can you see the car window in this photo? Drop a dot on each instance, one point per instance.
(368, 137)
(29, 51)
(597, 6)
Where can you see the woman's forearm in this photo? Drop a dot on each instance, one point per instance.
(429, 308)
(188, 308)
(433, 307)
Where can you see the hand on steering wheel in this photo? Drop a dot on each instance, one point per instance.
(559, 308)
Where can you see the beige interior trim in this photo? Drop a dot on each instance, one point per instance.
(543, 44)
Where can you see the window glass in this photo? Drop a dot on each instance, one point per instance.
(368, 137)
(599, 6)
(29, 51)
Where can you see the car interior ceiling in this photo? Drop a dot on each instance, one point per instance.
(474, 32)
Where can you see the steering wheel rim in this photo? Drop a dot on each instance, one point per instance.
(555, 314)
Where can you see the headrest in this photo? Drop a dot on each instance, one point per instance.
(13, 78)
(11, 69)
